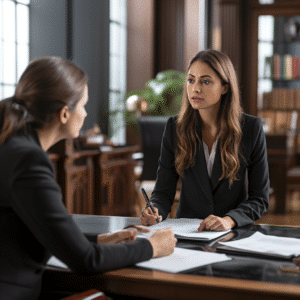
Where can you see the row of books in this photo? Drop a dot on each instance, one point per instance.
(284, 67)
(279, 122)
(281, 99)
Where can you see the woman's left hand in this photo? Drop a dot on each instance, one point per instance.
(123, 236)
(215, 223)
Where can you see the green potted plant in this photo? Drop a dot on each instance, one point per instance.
(162, 96)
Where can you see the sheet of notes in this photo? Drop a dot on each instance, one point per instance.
(185, 228)
(183, 259)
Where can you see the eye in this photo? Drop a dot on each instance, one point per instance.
(206, 82)
(190, 80)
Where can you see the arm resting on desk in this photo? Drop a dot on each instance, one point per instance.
(37, 200)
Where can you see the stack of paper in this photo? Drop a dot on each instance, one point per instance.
(183, 259)
(185, 229)
(265, 244)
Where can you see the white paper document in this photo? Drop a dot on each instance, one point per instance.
(183, 259)
(267, 244)
(185, 228)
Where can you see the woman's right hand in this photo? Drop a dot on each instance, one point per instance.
(163, 242)
(148, 217)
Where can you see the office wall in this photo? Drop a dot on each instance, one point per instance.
(48, 30)
(89, 49)
(140, 43)
(90, 42)
(191, 30)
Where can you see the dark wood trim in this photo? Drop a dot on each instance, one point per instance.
(69, 27)
(232, 28)
(209, 21)
(290, 4)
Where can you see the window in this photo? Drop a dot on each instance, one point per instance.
(265, 51)
(14, 43)
(117, 71)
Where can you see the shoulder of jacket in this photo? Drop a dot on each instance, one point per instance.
(249, 120)
(21, 146)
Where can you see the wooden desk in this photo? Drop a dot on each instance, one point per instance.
(241, 278)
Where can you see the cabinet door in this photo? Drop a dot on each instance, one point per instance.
(117, 189)
(78, 186)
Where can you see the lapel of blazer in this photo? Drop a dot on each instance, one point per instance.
(200, 171)
(217, 169)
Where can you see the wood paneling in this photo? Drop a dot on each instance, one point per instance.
(75, 175)
(169, 35)
(230, 16)
(140, 43)
(115, 191)
(192, 31)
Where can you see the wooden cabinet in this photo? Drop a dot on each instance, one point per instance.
(75, 175)
(99, 181)
(115, 190)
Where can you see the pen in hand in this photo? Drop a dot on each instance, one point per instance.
(148, 202)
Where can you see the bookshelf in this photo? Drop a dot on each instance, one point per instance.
(248, 42)
(278, 76)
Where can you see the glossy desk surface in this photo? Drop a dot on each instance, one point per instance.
(245, 277)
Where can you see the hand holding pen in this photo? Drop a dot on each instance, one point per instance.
(149, 214)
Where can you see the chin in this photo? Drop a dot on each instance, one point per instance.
(197, 106)
(73, 135)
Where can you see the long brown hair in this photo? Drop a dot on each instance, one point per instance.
(46, 86)
(229, 117)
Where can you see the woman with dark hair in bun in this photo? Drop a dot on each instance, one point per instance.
(49, 105)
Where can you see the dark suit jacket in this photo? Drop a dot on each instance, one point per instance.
(201, 196)
(35, 224)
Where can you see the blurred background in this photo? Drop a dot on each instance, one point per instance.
(136, 53)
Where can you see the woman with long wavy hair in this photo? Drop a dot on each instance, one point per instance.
(218, 151)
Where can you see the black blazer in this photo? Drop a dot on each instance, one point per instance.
(201, 196)
(35, 224)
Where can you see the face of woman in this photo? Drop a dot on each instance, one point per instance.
(78, 116)
(204, 87)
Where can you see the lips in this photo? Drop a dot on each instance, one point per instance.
(197, 99)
